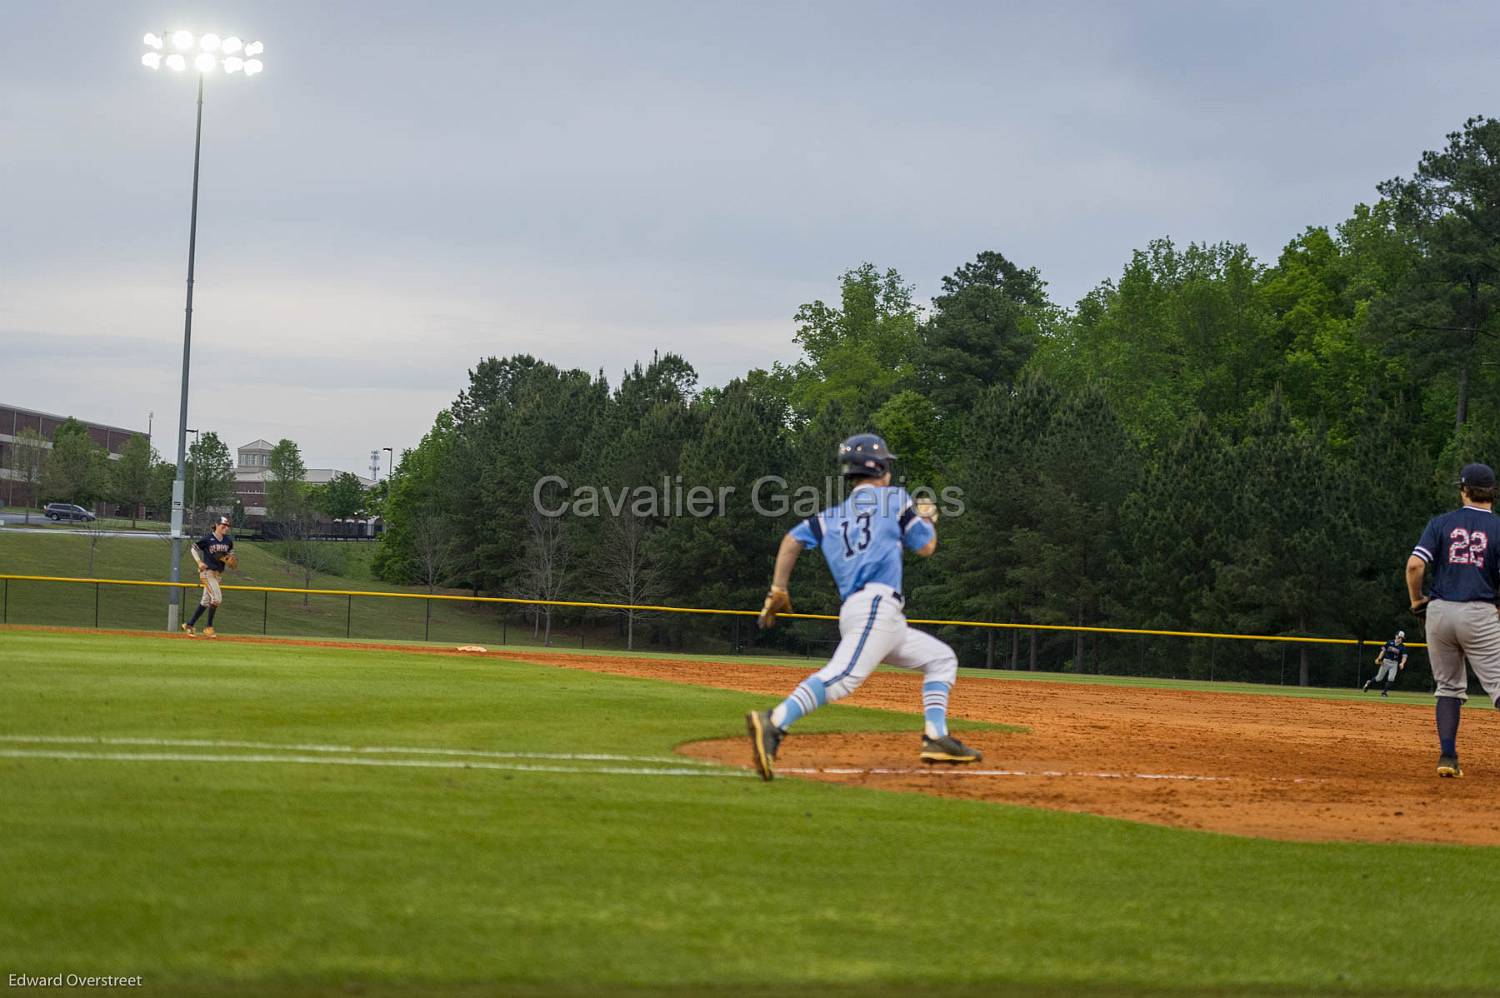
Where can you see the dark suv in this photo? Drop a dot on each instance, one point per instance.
(67, 511)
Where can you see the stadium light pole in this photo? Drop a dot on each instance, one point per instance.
(207, 53)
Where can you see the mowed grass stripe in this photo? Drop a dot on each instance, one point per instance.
(295, 879)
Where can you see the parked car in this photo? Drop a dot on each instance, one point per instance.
(67, 511)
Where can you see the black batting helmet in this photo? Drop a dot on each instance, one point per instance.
(864, 455)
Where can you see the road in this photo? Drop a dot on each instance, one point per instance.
(55, 531)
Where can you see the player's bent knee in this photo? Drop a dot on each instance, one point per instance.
(943, 670)
(844, 687)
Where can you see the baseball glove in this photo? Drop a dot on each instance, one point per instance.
(1420, 606)
(231, 560)
(926, 509)
(778, 600)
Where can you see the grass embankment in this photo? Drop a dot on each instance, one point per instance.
(261, 564)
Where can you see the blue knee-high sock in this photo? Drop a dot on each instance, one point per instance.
(1447, 724)
(212, 609)
(935, 708)
(196, 614)
(809, 695)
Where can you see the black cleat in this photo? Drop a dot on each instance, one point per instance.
(948, 749)
(765, 739)
(1366, 688)
(1448, 766)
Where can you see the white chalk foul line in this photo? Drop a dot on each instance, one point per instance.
(358, 755)
(350, 760)
(347, 749)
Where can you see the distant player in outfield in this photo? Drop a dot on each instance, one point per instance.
(1463, 548)
(862, 539)
(214, 552)
(1391, 659)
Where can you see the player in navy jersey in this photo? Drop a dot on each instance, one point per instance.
(863, 540)
(213, 552)
(1391, 659)
(1463, 548)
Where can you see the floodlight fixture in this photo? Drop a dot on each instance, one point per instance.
(234, 56)
(205, 53)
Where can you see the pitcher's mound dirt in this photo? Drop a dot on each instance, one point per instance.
(1268, 766)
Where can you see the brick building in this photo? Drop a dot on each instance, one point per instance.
(14, 491)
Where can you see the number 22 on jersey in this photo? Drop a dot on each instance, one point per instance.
(1467, 547)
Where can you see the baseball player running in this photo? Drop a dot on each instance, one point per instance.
(1391, 659)
(1462, 618)
(862, 540)
(214, 552)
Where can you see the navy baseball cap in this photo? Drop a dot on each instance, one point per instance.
(1480, 476)
(223, 521)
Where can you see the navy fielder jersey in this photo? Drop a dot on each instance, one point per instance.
(862, 537)
(1461, 547)
(1393, 652)
(214, 550)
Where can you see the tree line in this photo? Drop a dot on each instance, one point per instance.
(1205, 442)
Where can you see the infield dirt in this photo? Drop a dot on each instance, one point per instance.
(1277, 767)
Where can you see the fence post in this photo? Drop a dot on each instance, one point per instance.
(504, 626)
(427, 624)
(265, 612)
(5, 614)
(1359, 657)
(349, 618)
(96, 606)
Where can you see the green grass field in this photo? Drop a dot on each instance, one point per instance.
(587, 876)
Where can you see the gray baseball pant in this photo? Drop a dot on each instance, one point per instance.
(1456, 631)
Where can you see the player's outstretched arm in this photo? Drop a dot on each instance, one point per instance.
(786, 560)
(779, 600)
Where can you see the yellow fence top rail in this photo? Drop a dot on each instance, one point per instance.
(652, 608)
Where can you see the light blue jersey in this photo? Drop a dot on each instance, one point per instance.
(862, 537)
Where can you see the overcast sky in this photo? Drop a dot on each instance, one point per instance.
(409, 187)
